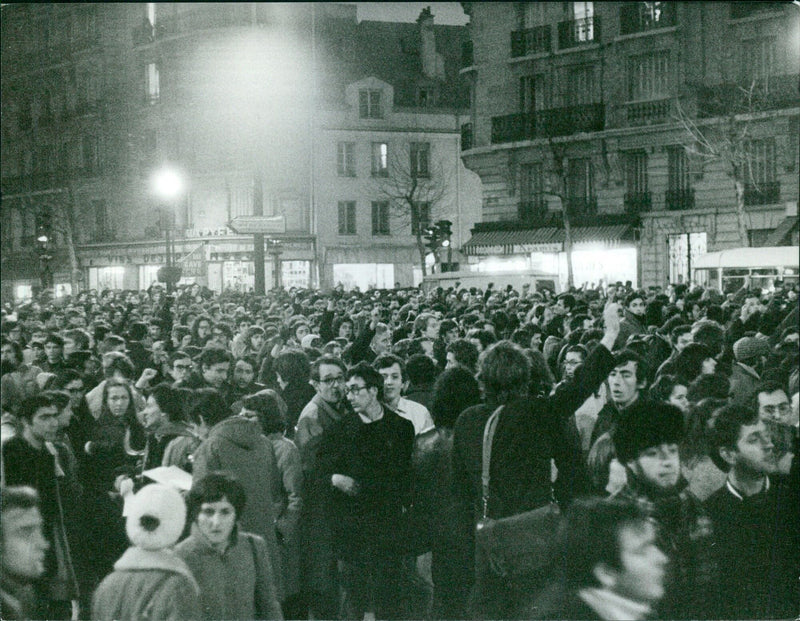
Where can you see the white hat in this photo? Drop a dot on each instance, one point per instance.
(156, 516)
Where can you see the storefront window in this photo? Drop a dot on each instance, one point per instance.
(684, 250)
(295, 274)
(111, 277)
(238, 275)
(148, 275)
(23, 292)
(364, 275)
(62, 289)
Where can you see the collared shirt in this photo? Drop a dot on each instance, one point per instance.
(610, 605)
(739, 495)
(417, 413)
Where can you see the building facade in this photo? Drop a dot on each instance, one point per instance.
(246, 102)
(664, 130)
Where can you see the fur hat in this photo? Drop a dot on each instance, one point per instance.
(750, 347)
(646, 424)
(155, 517)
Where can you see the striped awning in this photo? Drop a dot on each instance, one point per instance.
(547, 239)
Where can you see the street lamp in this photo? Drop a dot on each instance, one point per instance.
(167, 185)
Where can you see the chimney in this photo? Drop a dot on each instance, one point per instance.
(432, 64)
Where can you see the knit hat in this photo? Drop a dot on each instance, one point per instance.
(749, 347)
(155, 517)
(646, 424)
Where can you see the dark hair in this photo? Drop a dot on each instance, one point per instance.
(766, 387)
(542, 378)
(589, 536)
(59, 398)
(662, 389)
(17, 497)
(577, 322)
(119, 362)
(270, 417)
(598, 462)
(81, 337)
(293, 366)
(646, 424)
(724, 429)
(624, 356)
(209, 405)
(465, 353)
(485, 337)
(16, 347)
(333, 360)
(213, 355)
(213, 487)
(679, 331)
(696, 444)
(137, 331)
(505, 372)
(385, 361)
(689, 363)
(421, 370)
(634, 295)
(454, 391)
(66, 376)
(372, 379)
(711, 335)
(54, 338)
(171, 401)
(716, 385)
(28, 407)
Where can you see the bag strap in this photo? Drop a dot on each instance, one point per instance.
(488, 437)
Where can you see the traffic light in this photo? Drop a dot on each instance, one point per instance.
(432, 239)
(444, 228)
(43, 227)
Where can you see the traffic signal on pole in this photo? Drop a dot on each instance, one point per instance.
(432, 240)
(444, 228)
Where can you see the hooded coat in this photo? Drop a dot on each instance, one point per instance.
(236, 445)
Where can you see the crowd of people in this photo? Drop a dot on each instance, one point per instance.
(329, 455)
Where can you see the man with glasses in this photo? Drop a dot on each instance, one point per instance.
(366, 461)
(181, 368)
(318, 564)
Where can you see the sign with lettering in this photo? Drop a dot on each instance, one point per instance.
(250, 225)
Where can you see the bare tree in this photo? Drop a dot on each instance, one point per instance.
(413, 196)
(721, 131)
(558, 189)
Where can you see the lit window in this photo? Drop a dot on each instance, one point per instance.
(380, 159)
(153, 84)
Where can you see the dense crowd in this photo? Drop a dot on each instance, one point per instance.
(329, 455)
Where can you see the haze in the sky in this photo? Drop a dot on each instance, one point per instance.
(443, 12)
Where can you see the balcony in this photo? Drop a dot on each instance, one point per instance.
(577, 32)
(679, 200)
(580, 206)
(777, 91)
(740, 10)
(532, 211)
(649, 112)
(530, 41)
(548, 123)
(762, 193)
(466, 136)
(637, 17)
(637, 202)
(467, 58)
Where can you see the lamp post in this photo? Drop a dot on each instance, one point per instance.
(168, 185)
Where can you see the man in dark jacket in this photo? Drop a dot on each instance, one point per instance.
(755, 516)
(633, 321)
(366, 458)
(626, 382)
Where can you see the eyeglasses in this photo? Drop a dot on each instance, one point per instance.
(354, 390)
(182, 367)
(330, 381)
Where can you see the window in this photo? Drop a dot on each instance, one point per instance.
(380, 159)
(346, 159)
(420, 159)
(424, 221)
(347, 217)
(102, 228)
(152, 83)
(761, 186)
(679, 193)
(151, 13)
(648, 76)
(380, 218)
(532, 94)
(533, 14)
(90, 157)
(579, 86)
(426, 96)
(369, 104)
(580, 186)
(643, 16)
(637, 198)
(583, 21)
(531, 191)
(758, 60)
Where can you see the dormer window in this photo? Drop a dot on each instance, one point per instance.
(369, 104)
(426, 96)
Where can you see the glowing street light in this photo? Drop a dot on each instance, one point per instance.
(168, 184)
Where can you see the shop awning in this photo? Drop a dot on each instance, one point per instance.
(779, 235)
(549, 239)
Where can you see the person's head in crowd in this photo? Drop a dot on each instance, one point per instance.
(117, 365)
(292, 367)
(54, 348)
(610, 547)
(264, 409)
(244, 371)
(522, 336)
(72, 382)
(221, 334)
(364, 386)
(482, 339)
(680, 336)
(118, 400)
(647, 440)
(395, 381)
(214, 505)
(564, 304)
(155, 331)
(709, 334)
(207, 407)
(448, 331)
(580, 322)
(165, 404)
(669, 389)
(454, 391)
(113, 343)
(137, 331)
(23, 546)
(215, 364)
(39, 418)
(61, 400)
(181, 366)
(10, 356)
(635, 304)
(421, 370)
(407, 347)
(332, 348)
(12, 330)
(505, 373)
(382, 340)
(771, 402)
(695, 360)
(463, 353)
(741, 445)
(716, 385)
(752, 352)
(606, 473)
(654, 313)
(593, 334)
(181, 337)
(344, 328)
(76, 340)
(328, 379)
(627, 379)
(695, 445)
(254, 338)
(714, 312)
(542, 378)
(426, 325)
(574, 356)
(300, 329)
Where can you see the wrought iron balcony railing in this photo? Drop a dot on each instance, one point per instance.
(637, 202)
(532, 211)
(679, 200)
(649, 112)
(643, 16)
(530, 41)
(762, 193)
(575, 32)
(546, 123)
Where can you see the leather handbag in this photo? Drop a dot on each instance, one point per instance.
(512, 554)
